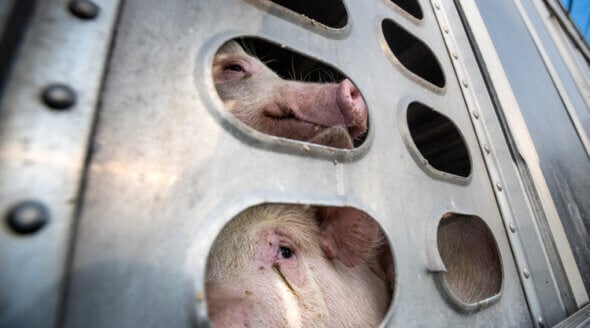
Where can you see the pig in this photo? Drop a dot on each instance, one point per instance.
(471, 258)
(279, 265)
(253, 279)
(330, 114)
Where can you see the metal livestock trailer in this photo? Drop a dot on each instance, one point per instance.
(118, 164)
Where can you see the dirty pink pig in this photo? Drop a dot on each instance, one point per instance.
(294, 266)
(331, 114)
(290, 266)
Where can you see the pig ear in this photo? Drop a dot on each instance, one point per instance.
(350, 236)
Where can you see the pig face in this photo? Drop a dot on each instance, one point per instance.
(283, 266)
(331, 114)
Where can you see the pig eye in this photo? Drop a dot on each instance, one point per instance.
(233, 67)
(285, 252)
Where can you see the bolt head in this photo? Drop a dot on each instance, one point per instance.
(84, 9)
(526, 273)
(512, 227)
(27, 217)
(59, 96)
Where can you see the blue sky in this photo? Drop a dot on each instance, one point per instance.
(580, 14)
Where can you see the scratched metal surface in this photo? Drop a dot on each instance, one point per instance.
(565, 162)
(144, 186)
(171, 167)
(43, 149)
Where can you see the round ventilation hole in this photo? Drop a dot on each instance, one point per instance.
(410, 6)
(285, 94)
(413, 54)
(269, 255)
(438, 140)
(469, 252)
(331, 13)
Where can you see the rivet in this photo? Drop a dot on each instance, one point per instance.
(59, 96)
(487, 148)
(464, 83)
(526, 273)
(27, 217)
(199, 296)
(446, 29)
(455, 55)
(512, 227)
(476, 114)
(498, 186)
(84, 9)
(437, 5)
(541, 322)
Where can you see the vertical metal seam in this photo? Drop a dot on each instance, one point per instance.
(555, 77)
(569, 28)
(575, 281)
(565, 47)
(61, 308)
(491, 164)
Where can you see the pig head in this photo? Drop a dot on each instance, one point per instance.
(331, 114)
(286, 266)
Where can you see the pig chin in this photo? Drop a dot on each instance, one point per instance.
(337, 136)
(265, 303)
(327, 300)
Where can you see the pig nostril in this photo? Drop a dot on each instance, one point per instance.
(356, 96)
(349, 91)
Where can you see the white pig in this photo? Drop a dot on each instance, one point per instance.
(278, 266)
(283, 266)
(331, 114)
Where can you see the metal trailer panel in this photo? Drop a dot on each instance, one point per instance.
(14, 18)
(168, 167)
(572, 52)
(547, 287)
(577, 320)
(563, 159)
(42, 156)
(171, 167)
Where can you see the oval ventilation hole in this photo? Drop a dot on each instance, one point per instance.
(331, 13)
(438, 140)
(282, 101)
(260, 264)
(412, 53)
(410, 6)
(468, 250)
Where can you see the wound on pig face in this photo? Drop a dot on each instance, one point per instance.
(330, 114)
(304, 286)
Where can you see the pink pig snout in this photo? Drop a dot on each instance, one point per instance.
(352, 106)
(327, 105)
